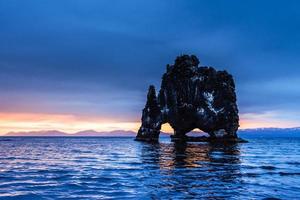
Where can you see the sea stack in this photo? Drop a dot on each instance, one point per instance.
(192, 96)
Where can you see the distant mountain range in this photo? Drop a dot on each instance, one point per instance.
(86, 133)
(56, 133)
(269, 130)
(123, 133)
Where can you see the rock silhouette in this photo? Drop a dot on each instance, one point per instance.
(192, 97)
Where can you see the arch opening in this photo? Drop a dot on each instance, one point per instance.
(166, 130)
(196, 132)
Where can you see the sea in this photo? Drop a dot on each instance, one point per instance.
(73, 168)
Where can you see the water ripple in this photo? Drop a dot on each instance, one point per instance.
(119, 168)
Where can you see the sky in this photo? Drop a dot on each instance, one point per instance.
(86, 64)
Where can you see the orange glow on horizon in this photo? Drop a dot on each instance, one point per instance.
(71, 124)
(67, 123)
(166, 128)
(266, 120)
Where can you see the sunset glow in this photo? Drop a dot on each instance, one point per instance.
(68, 123)
(71, 124)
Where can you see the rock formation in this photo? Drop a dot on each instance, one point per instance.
(192, 97)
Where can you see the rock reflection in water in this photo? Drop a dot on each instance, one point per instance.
(182, 154)
(187, 168)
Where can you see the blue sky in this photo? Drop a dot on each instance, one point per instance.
(96, 58)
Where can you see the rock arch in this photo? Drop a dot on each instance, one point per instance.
(191, 97)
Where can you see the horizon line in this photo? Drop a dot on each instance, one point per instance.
(121, 130)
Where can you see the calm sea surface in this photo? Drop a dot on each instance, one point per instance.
(120, 168)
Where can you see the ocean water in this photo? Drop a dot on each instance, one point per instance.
(120, 168)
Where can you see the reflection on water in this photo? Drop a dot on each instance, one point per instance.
(191, 166)
(186, 155)
(120, 168)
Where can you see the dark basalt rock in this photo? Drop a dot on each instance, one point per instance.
(192, 97)
(151, 118)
